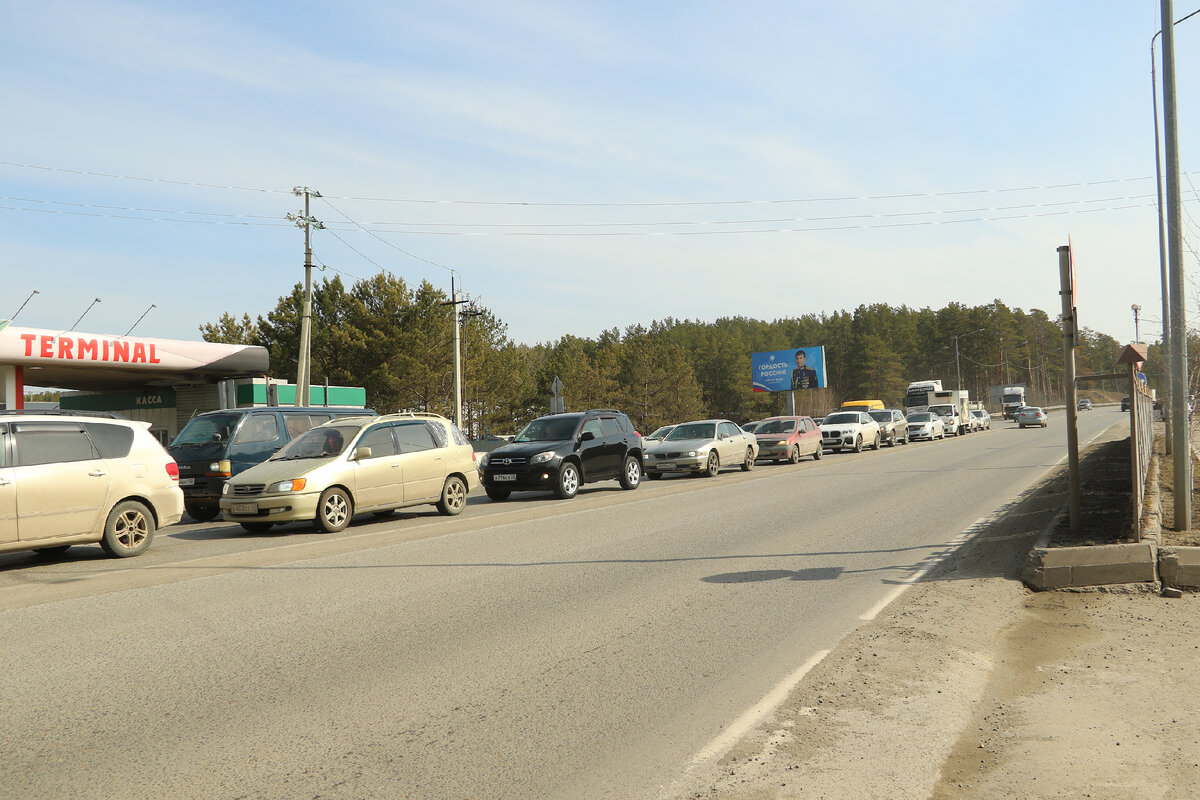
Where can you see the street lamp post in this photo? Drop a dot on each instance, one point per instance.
(1136, 308)
(957, 361)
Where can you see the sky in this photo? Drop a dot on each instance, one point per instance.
(583, 166)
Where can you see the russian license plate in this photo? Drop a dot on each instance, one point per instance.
(505, 476)
(244, 508)
(667, 465)
(187, 481)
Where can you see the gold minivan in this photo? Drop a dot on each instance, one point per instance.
(77, 478)
(356, 465)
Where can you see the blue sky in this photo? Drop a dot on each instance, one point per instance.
(583, 166)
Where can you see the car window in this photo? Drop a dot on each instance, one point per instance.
(413, 437)
(113, 441)
(610, 426)
(297, 424)
(730, 428)
(207, 428)
(52, 443)
(592, 426)
(380, 440)
(257, 428)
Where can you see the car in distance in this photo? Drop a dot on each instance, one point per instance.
(1084, 404)
(751, 427)
(950, 415)
(561, 452)
(1031, 416)
(981, 419)
(788, 439)
(851, 430)
(79, 479)
(925, 425)
(657, 436)
(893, 427)
(354, 465)
(702, 446)
(1124, 403)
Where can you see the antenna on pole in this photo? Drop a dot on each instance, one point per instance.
(84, 314)
(139, 319)
(27, 299)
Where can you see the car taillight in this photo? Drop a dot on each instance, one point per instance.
(173, 470)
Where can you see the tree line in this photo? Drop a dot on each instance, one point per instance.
(395, 339)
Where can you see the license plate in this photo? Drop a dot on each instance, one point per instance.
(667, 465)
(244, 508)
(187, 481)
(504, 476)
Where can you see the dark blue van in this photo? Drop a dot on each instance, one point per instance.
(217, 445)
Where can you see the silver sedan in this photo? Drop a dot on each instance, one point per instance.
(702, 446)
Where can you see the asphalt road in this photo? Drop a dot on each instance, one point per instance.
(528, 649)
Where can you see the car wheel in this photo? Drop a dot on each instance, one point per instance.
(497, 494)
(334, 510)
(795, 456)
(631, 475)
(713, 466)
(454, 496)
(817, 455)
(858, 445)
(1019, 425)
(256, 527)
(201, 512)
(748, 464)
(892, 440)
(128, 530)
(877, 443)
(567, 485)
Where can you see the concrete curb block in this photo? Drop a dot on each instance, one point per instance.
(1145, 564)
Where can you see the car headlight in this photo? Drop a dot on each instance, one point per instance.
(294, 485)
(781, 443)
(542, 458)
(694, 453)
(483, 462)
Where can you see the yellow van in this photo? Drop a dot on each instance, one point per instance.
(863, 405)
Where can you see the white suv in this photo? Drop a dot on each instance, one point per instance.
(67, 479)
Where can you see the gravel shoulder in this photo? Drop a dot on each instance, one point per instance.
(971, 686)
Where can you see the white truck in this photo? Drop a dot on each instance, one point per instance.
(1012, 398)
(954, 407)
(917, 396)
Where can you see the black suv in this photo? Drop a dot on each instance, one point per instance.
(561, 452)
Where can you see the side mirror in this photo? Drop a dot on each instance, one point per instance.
(724, 436)
(587, 436)
(360, 453)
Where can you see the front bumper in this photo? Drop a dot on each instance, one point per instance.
(530, 477)
(659, 465)
(839, 439)
(300, 506)
(774, 449)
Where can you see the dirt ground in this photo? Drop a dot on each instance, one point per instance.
(971, 686)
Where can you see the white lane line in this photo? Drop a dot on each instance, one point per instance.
(755, 714)
(930, 563)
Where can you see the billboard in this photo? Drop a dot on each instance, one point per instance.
(786, 370)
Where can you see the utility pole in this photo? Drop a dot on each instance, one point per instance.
(1181, 440)
(1070, 325)
(454, 302)
(308, 222)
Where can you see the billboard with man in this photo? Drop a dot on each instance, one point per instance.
(788, 370)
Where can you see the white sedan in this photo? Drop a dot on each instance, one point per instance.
(926, 425)
(702, 446)
(851, 430)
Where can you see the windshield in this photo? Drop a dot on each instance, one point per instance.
(207, 428)
(944, 411)
(1013, 398)
(693, 430)
(661, 432)
(976, 413)
(842, 419)
(550, 429)
(881, 416)
(777, 426)
(922, 416)
(321, 442)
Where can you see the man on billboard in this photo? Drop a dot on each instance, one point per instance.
(803, 376)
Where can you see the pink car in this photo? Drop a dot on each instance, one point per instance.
(788, 439)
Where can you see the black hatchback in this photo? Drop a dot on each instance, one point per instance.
(561, 452)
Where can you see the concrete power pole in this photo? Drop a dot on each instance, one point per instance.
(1181, 440)
(307, 222)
